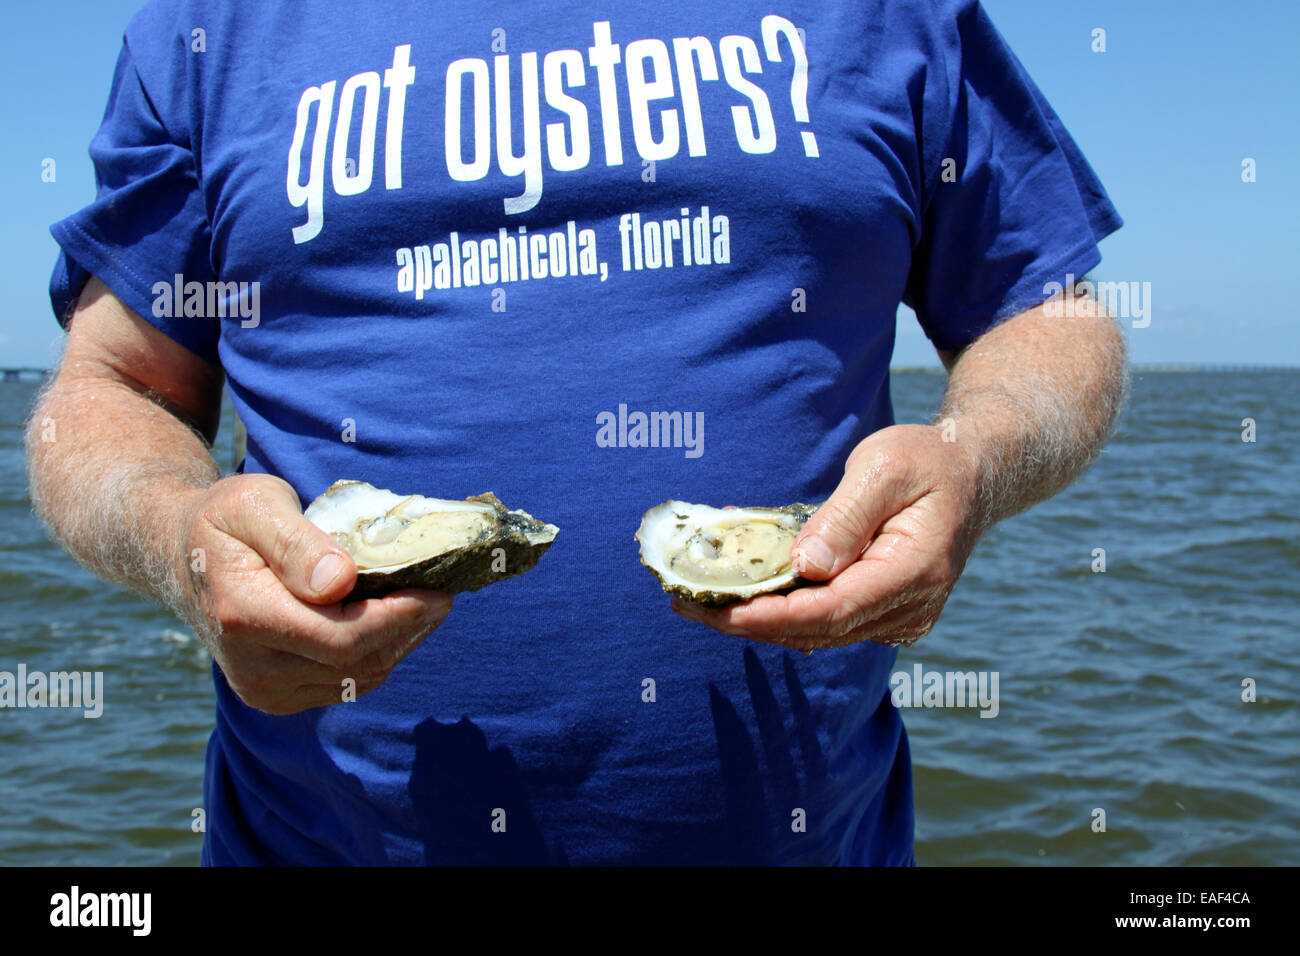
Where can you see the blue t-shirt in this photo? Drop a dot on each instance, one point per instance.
(458, 242)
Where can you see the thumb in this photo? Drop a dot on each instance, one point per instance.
(869, 494)
(308, 562)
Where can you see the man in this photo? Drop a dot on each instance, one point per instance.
(452, 246)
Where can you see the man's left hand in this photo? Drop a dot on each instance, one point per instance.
(889, 544)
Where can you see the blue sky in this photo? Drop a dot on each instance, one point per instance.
(1185, 91)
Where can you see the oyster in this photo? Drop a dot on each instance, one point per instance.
(409, 541)
(717, 556)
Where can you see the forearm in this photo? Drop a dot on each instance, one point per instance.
(111, 473)
(1033, 402)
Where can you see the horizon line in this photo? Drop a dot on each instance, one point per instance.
(14, 373)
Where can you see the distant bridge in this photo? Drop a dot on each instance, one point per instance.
(1216, 368)
(21, 374)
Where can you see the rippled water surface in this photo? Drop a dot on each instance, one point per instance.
(1119, 691)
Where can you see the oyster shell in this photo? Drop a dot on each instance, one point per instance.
(409, 541)
(717, 556)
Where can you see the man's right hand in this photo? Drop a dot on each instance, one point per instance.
(267, 600)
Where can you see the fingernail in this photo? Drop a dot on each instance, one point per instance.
(326, 570)
(814, 554)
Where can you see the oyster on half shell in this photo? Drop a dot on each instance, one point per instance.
(717, 556)
(409, 541)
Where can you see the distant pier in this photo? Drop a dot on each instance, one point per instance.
(23, 374)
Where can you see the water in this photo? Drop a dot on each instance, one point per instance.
(1119, 691)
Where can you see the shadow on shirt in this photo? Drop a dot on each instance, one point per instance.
(765, 815)
(471, 801)
(778, 803)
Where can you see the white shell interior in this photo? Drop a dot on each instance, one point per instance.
(733, 551)
(387, 531)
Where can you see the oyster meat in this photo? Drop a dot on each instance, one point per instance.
(717, 556)
(409, 541)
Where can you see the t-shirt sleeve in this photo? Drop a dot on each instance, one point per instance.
(147, 224)
(1009, 202)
